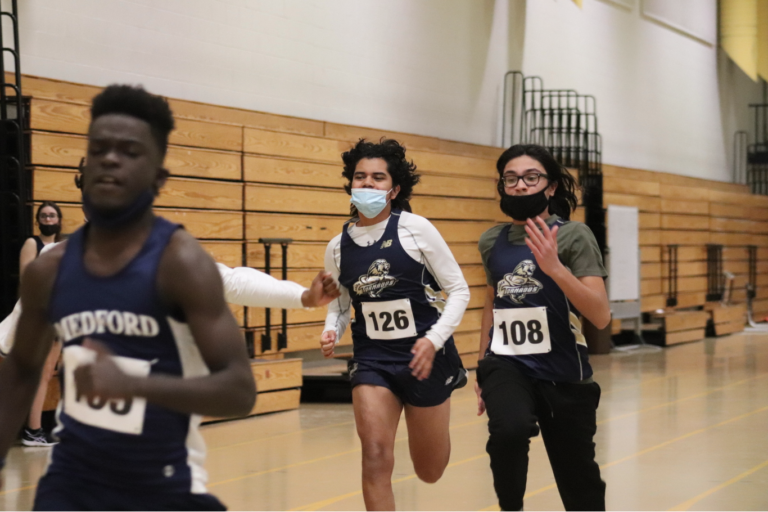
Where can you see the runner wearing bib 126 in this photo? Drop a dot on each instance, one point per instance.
(392, 267)
(544, 272)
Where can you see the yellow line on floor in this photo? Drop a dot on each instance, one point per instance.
(688, 504)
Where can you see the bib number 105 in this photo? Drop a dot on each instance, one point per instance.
(520, 331)
(389, 320)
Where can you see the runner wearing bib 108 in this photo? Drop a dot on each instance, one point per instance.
(391, 266)
(543, 272)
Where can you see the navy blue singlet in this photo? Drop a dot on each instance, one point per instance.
(520, 283)
(119, 443)
(380, 273)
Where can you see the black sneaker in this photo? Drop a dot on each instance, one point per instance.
(36, 438)
(461, 379)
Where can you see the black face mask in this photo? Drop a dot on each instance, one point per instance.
(116, 219)
(524, 207)
(50, 229)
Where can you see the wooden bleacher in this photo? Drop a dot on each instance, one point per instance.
(240, 175)
(692, 213)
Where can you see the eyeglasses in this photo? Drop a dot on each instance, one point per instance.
(49, 216)
(531, 179)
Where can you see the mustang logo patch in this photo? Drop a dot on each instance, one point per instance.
(375, 281)
(519, 283)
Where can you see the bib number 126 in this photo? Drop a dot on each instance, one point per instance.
(389, 320)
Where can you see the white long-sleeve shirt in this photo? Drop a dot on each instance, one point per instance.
(422, 242)
(250, 287)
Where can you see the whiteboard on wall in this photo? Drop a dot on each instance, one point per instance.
(623, 253)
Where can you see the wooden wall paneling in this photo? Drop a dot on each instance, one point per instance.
(687, 253)
(194, 193)
(207, 224)
(649, 220)
(687, 222)
(682, 237)
(285, 199)
(456, 208)
(308, 228)
(203, 134)
(291, 145)
(650, 270)
(650, 253)
(632, 187)
(351, 134)
(684, 207)
(456, 186)
(650, 287)
(59, 150)
(57, 116)
(643, 203)
(477, 296)
(652, 303)
(203, 163)
(292, 172)
(687, 268)
(730, 211)
(684, 193)
(453, 164)
(228, 253)
(649, 237)
(719, 224)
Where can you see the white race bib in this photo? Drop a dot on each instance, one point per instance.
(520, 331)
(118, 415)
(390, 320)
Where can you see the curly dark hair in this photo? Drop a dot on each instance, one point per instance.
(402, 171)
(134, 101)
(564, 200)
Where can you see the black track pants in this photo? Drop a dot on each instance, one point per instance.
(517, 407)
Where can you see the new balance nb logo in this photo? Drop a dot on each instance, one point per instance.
(386, 243)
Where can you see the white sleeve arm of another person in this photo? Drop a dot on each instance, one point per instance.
(340, 310)
(441, 264)
(250, 287)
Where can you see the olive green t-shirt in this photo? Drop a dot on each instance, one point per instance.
(576, 246)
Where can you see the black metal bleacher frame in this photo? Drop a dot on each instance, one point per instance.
(282, 337)
(15, 196)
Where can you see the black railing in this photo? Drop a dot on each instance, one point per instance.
(757, 151)
(715, 279)
(565, 122)
(14, 188)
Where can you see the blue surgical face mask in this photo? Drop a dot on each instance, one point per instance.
(369, 201)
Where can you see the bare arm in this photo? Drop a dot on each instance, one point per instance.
(20, 371)
(27, 255)
(188, 279)
(586, 293)
(486, 322)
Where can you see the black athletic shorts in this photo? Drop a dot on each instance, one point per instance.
(63, 492)
(396, 376)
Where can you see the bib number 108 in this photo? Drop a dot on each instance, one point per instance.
(519, 332)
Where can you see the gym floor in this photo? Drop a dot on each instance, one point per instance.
(680, 428)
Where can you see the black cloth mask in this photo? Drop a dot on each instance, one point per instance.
(523, 207)
(50, 229)
(116, 219)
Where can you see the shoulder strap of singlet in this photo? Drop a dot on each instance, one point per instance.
(40, 244)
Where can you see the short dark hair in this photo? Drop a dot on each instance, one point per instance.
(134, 101)
(564, 200)
(402, 171)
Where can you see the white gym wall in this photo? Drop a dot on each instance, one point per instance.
(666, 100)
